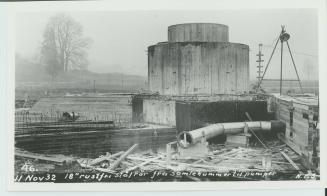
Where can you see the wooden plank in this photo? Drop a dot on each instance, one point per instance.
(293, 146)
(100, 159)
(233, 151)
(40, 157)
(289, 160)
(122, 157)
(237, 140)
(142, 164)
(84, 165)
(216, 168)
(168, 153)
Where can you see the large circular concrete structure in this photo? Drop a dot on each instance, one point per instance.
(198, 32)
(198, 59)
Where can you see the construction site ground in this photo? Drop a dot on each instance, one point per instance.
(276, 161)
(223, 163)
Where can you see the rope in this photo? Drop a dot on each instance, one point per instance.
(259, 139)
(249, 117)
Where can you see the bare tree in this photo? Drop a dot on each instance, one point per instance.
(50, 54)
(64, 48)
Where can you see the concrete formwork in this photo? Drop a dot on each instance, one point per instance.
(187, 115)
(198, 68)
(198, 59)
(198, 32)
(296, 116)
(159, 112)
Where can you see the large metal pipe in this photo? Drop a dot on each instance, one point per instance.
(192, 137)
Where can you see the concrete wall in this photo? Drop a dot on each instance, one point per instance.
(193, 115)
(96, 143)
(198, 32)
(159, 112)
(198, 68)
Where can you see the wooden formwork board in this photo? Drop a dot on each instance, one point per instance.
(300, 117)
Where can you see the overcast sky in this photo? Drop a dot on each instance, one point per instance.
(121, 38)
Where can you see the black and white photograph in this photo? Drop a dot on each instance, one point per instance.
(149, 96)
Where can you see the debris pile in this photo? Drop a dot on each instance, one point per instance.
(224, 159)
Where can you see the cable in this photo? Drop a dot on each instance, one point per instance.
(294, 52)
(299, 53)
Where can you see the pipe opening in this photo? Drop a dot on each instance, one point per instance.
(184, 139)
